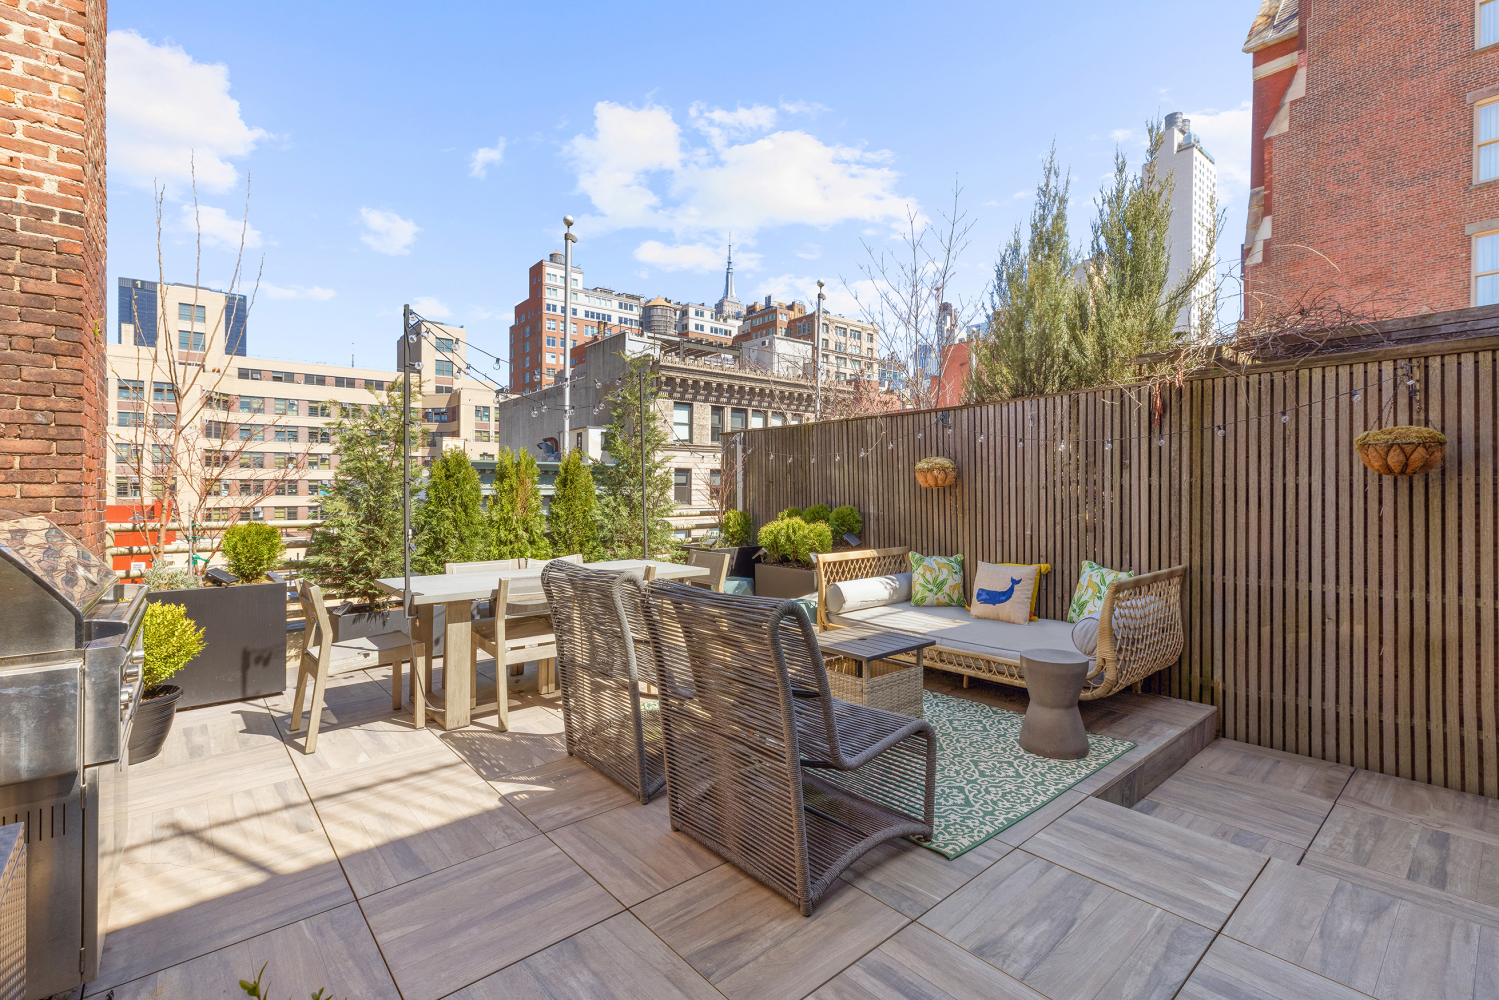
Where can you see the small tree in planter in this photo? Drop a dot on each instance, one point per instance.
(620, 502)
(845, 520)
(738, 529)
(789, 544)
(517, 526)
(172, 640)
(252, 550)
(572, 526)
(450, 525)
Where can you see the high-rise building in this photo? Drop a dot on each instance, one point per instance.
(195, 317)
(1194, 179)
(537, 348)
(729, 305)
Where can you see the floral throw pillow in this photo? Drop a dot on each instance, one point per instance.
(1092, 584)
(937, 581)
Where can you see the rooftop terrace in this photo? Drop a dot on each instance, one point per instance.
(410, 863)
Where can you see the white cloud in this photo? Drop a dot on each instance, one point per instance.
(704, 258)
(386, 232)
(639, 171)
(312, 292)
(1122, 134)
(812, 251)
(168, 115)
(217, 228)
(478, 163)
(430, 308)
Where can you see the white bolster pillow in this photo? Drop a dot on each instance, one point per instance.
(870, 592)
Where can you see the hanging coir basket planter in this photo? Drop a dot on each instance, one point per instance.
(936, 473)
(1402, 451)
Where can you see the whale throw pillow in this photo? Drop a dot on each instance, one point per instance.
(1003, 592)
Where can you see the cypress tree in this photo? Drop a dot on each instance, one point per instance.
(506, 539)
(572, 526)
(449, 526)
(528, 509)
(620, 498)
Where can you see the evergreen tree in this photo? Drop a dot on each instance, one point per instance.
(528, 507)
(1028, 346)
(506, 538)
(572, 525)
(359, 540)
(620, 496)
(449, 525)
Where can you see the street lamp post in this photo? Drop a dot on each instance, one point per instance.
(568, 239)
(817, 357)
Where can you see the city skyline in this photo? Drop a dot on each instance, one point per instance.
(354, 217)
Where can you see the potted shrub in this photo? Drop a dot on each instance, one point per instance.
(244, 625)
(172, 640)
(790, 544)
(737, 536)
(845, 520)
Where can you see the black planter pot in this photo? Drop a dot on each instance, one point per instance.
(784, 581)
(153, 721)
(359, 620)
(244, 636)
(741, 559)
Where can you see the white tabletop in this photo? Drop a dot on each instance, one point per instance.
(452, 587)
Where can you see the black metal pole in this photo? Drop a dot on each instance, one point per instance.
(406, 456)
(645, 517)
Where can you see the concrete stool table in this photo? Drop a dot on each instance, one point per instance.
(1053, 726)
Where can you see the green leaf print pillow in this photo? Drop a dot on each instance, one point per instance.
(1092, 584)
(937, 581)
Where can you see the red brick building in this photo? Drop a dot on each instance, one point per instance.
(1369, 175)
(52, 237)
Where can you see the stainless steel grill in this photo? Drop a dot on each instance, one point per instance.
(70, 680)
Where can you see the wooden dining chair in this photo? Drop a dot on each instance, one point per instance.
(317, 653)
(511, 641)
(717, 565)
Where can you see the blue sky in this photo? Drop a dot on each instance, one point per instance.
(430, 159)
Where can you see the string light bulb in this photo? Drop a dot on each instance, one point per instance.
(918, 435)
(1221, 431)
(1355, 395)
(1108, 445)
(1285, 416)
(981, 439)
(1161, 441)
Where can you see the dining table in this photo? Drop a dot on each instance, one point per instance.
(457, 591)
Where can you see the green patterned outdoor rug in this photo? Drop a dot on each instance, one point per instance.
(985, 782)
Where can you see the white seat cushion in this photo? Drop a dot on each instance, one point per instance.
(954, 628)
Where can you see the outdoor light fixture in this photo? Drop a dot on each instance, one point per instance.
(852, 540)
(761, 554)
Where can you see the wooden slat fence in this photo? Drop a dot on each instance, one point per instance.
(1330, 612)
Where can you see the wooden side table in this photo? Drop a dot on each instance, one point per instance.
(861, 668)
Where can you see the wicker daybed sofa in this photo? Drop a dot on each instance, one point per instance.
(1139, 626)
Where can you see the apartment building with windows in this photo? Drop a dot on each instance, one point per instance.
(540, 336)
(1374, 161)
(703, 395)
(1193, 172)
(849, 347)
(225, 437)
(769, 319)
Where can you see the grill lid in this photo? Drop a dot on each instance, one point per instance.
(48, 585)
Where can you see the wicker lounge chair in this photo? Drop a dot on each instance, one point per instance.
(1139, 628)
(603, 656)
(765, 768)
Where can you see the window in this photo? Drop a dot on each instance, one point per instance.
(373, 383)
(1488, 140)
(319, 462)
(319, 410)
(339, 382)
(314, 380)
(217, 400)
(444, 368)
(127, 452)
(737, 419)
(715, 424)
(187, 340)
(252, 374)
(251, 432)
(130, 389)
(132, 420)
(314, 513)
(715, 479)
(251, 460)
(481, 436)
(682, 486)
(551, 341)
(681, 421)
(252, 404)
(1488, 23)
(778, 420)
(279, 460)
(444, 343)
(163, 392)
(757, 419)
(285, 407)
(192, 314)
(127, 486)
(257, 513)
(287, 434)
(286, 489)
(218, 430)
(481, 414)
(284, 513)
(1486, 270)
(163, 421)
(283, 376)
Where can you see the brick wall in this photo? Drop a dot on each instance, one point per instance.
(52, 262)
(1371, 186)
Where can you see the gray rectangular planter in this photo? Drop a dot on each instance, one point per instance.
(358, 622)
(244, 634)
(784, 581)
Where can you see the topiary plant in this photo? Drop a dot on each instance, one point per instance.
(816, 512)
(789, 512)
(172, 639)
(793, 540)
(845, 520)
(773, 538)
(737, 529)
(252, 549)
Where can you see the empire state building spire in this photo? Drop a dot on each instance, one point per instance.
(729, 304)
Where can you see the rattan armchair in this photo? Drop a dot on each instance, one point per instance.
(603, 657)
(764, 767)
